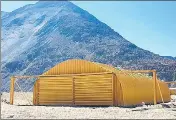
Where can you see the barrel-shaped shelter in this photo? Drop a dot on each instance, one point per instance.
(81, 82)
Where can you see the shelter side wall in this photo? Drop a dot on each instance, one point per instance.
(165, 92)
(140, 89)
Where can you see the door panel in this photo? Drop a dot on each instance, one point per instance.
(55, 90)
(93, 90)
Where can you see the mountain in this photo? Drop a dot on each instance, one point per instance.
(39, 36)
(170, 57)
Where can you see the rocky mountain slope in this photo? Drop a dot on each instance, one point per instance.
(170, 57)
(37, 37)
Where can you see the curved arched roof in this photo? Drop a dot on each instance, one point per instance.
(76, 66)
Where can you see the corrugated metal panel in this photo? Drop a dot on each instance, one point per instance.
(75, 66)
(94, 90)
(55, 90)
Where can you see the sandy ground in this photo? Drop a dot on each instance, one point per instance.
(22, 110)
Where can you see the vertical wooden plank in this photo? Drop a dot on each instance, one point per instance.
(34, 94)
(12, 82)
(73, 90)
(154, 88)
(37, 92)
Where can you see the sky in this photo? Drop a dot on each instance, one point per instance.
(150, 25)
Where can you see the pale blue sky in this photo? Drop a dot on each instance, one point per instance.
(150, 25)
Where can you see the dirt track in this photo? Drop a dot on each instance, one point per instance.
(17, 111)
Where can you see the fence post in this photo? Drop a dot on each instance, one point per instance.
(34, 94)
(154, 87)
(12, 82)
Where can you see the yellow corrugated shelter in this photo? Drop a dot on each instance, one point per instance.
(81, 82)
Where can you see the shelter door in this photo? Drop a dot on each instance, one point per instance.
(94, 89)
(55, 90)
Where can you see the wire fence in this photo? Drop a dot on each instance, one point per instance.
(23, 91)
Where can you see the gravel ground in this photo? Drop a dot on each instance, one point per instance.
(22, 110)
